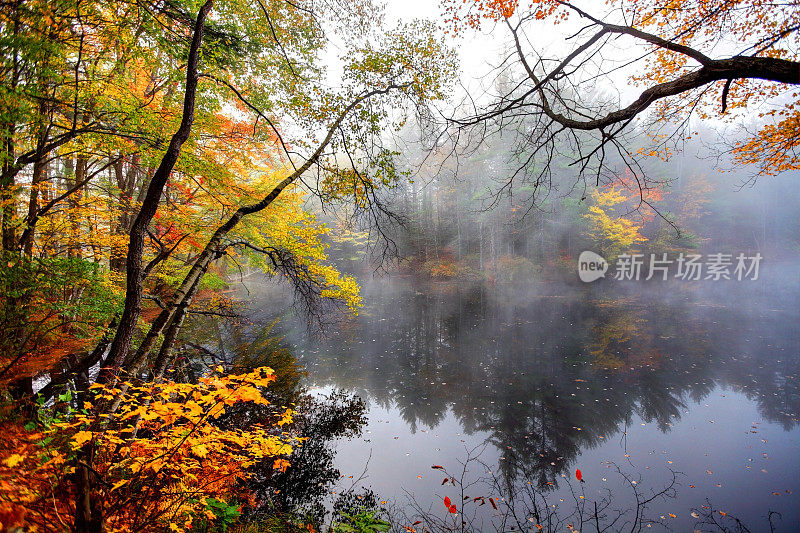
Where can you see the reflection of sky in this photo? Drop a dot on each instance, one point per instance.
(725, 447)
(432, 364)
(524, 368)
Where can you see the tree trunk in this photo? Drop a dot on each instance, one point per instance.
(8, 209)
(133, 265)
(39, 176)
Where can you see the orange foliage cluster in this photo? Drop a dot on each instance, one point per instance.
(461, 14)
(640, 195)
(154, 464)
(775, 147)
(715, 28)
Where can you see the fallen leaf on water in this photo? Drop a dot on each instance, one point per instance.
(695, 515)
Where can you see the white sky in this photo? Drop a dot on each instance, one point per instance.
(479, 52)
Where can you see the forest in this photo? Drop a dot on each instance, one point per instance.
(236, 233)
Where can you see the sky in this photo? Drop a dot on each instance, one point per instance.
(480, 52)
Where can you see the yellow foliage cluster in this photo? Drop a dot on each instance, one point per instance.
(775, 147)
(289, 226)
(612, 231)
(156, 461)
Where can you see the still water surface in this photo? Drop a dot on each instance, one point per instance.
(700, 379)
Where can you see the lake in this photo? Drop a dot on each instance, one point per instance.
(686, 392)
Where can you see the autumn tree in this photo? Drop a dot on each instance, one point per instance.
(406, 65)
(144, 143)
(165, 121)
(712, 60)
(611, 229)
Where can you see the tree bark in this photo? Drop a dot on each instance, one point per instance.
(134, 364)
(133, 292)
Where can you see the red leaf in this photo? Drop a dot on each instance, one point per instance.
(578, 474)
(417, 522)
(440, 467)
(445, 480)
(447, 502)
(453, 509)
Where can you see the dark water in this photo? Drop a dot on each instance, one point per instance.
(618, 379)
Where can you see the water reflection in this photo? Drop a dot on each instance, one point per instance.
(547, 375)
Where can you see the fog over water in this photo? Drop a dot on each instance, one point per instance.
(546, 377)
(481, 342)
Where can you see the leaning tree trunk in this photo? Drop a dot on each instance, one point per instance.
(183, 295)
(88, 511)
(133, 292)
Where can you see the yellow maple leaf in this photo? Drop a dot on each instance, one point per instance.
(201, 451)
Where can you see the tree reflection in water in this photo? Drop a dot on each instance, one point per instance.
(530, 370)
(548, 372)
